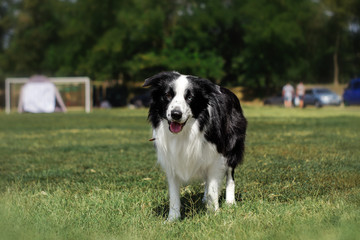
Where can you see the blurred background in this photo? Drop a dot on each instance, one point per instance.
(256, 45)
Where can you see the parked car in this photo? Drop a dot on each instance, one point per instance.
(274, 100)
(142, 100)
(351, 94)
(320, 97)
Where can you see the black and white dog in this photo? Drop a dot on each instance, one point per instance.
(199, 131)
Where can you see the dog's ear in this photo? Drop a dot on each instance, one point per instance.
(159, 78)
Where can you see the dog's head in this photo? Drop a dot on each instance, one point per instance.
(178, 98)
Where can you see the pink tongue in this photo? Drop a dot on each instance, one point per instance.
(175, 127)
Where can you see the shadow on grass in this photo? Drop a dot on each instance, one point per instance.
(191, 205)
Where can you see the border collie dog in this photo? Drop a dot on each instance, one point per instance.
(199, 131)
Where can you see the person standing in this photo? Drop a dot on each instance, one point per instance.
(300, 92)
(288, 93)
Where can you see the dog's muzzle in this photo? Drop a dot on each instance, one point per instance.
(175, 124)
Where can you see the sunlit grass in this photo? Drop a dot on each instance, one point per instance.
(94, 176)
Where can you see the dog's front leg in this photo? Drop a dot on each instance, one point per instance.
(213, 194)
(174, 193)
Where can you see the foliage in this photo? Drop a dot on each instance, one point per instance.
(254, 43)
(94, 176)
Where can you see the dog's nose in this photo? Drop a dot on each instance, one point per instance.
(176, 114)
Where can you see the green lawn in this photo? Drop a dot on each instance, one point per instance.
(94, 176)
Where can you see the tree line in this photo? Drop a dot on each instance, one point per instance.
(257, 44)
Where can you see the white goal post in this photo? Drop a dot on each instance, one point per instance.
(58, 81)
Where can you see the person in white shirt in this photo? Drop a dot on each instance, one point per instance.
(288, 93)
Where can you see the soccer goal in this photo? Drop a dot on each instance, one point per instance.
(75, 92)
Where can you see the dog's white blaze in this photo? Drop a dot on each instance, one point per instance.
(179, 102)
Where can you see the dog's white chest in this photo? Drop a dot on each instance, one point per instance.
(186, 155)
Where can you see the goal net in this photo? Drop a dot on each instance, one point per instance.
(75, 92)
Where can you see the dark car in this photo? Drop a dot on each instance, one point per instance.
(274, 100)
(142, 100)
(320, 97)
(351, 94)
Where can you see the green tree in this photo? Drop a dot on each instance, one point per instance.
(255, 43)
(35, 28)
(273, 40)
(339, 14)
(84, 40)
(7, 9)
(199, 37)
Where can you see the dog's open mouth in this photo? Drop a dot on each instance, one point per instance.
(176, 127)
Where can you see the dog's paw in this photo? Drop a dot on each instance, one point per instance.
(173, 216)
(171, 220)
(231, 202)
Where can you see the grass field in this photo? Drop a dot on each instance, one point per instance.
(94, 176)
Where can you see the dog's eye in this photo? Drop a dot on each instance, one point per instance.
(189, 97)
(168, 96)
